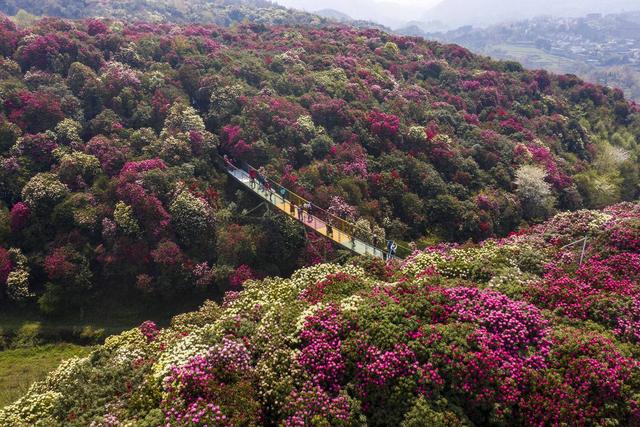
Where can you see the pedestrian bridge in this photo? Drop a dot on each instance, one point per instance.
(322, 222)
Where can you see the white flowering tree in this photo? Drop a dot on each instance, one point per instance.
(18, 279)
(534, 192)
(43, 191)
(190, 217)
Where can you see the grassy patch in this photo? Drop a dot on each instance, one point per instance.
(110, 314)
(19, 368)
(532, 57)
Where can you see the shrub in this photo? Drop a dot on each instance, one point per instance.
(28, 335)
(125, 219)
(43, 192)
(35, 111)
(77, 169)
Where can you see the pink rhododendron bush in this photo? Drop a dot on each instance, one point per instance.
(539, 328)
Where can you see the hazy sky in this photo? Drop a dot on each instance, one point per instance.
(454, 13)
(388, 12)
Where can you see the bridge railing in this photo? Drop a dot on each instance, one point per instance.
(316, 217)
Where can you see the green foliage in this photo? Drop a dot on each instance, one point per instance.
(599, 190)
(182, 118)
(333, 81)
(27, 336)
(68, 131)
(77, 167)
(125, 219)
(423, 414)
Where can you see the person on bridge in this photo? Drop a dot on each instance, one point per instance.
(228, 162)
(283, 193)
(329, 231)
(300, 213)
(262, 178)
(268, 189)
(391, 249)
(252, 176)
(307, 207)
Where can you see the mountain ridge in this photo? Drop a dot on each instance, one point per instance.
(599, 48)
(457, 13)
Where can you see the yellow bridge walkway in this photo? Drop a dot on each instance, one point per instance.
(332, 227)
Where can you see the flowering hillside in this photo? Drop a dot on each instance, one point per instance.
(513, 331)
(220, 12)
(108, 131)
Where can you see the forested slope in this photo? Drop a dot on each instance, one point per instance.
(219, 12)
(523, 331)
(108, 131)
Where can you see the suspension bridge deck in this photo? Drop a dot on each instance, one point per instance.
(311, 221)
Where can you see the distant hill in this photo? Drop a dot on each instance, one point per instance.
(390, 13)
(420, 28)
(337, 16)
(486, 12)
(603, 49)
(334, 14)
(219, 12)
